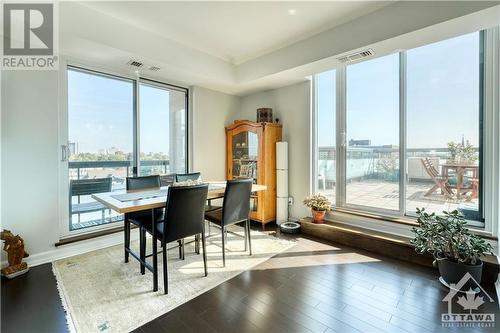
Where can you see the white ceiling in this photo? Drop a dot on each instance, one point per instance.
(239, 48)
(236, 31)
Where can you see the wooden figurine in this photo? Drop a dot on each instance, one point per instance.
(14, 246)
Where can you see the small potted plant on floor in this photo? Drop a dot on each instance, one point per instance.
(456, 251)
(319, 205)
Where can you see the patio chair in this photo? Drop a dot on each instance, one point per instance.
(439, 181)
(83, 187)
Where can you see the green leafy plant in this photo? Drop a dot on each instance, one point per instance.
(468, 153)
(318, 202)
(465, 152)
(447, 237)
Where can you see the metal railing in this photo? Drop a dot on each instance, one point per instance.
(79, 165)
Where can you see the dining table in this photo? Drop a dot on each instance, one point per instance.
(123, 202)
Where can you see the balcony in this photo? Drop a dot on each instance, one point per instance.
(86, 212)
(372, 180)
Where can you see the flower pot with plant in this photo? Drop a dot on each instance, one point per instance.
(456, 251)
(319, 205)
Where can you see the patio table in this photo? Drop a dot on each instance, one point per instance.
(460, 169)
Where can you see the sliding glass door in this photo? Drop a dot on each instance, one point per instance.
(118, 127)
(372, 128)
(100, 141)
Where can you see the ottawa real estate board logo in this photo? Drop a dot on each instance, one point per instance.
(29, 36)
(464, 307)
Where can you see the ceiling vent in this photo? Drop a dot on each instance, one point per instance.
(154, 68)
(356, 56)
(135, 63)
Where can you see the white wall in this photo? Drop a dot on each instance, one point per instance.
(30, 157)
(212, 111)
(292, 105)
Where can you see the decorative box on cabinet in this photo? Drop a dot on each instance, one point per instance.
(251, 153)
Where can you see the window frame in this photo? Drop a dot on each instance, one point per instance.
(68, 64)
(489, 44)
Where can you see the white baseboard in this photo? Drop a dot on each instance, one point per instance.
(77, 248)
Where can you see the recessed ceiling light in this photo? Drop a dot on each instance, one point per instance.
(292, 12)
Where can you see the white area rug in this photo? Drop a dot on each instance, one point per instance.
(101, 293)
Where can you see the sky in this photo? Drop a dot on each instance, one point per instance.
(442, 97)
(101, 114)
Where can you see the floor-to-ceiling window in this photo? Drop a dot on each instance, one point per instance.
(411, 129)
(118, 127)
(443, 114)
(372, 133)
(326, 135)
(162, 129)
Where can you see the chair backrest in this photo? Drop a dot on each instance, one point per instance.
(429, 167)
(236, 203)
(141, 183)
(167, 180)
(182, 177)
(90, 186)
(185, 211)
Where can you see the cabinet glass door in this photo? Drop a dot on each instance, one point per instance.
(245, 152)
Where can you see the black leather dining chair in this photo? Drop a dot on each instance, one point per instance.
(184, 217)
(235, 209)
(182, 177)
(140, 218)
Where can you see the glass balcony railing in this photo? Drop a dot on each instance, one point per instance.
(372, 178)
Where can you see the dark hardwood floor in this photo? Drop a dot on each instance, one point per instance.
(312, 287)
(30, 303)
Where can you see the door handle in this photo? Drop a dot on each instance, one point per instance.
(64, 153)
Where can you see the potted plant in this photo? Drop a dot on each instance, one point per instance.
(456, 251)
(319, 205)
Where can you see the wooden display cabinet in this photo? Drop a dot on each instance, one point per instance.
(251, 153)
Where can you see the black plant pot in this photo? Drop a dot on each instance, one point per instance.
(453, 272)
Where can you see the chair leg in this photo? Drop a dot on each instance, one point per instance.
(142, 248)
(126, 235)
(197, 244)
(155, 252)
(183, 250)
(223, 246)
(180, 248)
(246, 234)
(204, 251)
(249, 238)
(165, 269)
